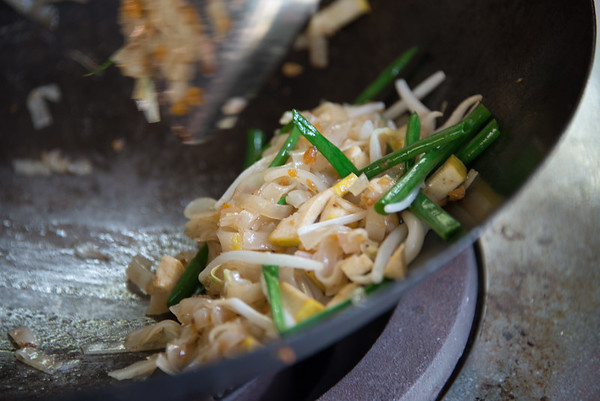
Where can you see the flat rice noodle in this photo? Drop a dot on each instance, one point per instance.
(153, 337)
(237, 220)
(297, 197)
(330, 276)
(185, 309)
(257, 241)
(311, 239)
(137, 370)
(200, 207)
(273, 191)
(329, 111)
(24, 337)
(245, 290)
(38, 359)
(302, 177)
(261, 206)
(202, 229)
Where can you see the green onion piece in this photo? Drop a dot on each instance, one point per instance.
(479, 143)
(282, 200)
(255, 140)
(332, 153)
(413, 177)
(286, 128)
(287, 147)
(386, 76)
(388, 161)
(331, 311)
(413, 133)
(101, 68)
(434, 216)
(189, 284)
(271, 275)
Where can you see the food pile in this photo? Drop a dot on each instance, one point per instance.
(338, 203)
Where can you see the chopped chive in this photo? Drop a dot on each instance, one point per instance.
(386, 76)
(101, 68)
(434, 216)
(413, 177)
(288, 146)
(282, 200)
(388, 161)
(332, 153)
(413, 133)
(479, 143)
(189, 284)
(255, 140)
(271, 275)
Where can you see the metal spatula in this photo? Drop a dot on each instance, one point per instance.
(261, 33)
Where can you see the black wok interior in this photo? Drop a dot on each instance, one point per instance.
(530, 60)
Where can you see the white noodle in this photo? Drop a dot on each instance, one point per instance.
(302, 176)
(199, 206)
(375, 151)
(36, 103)
(350, 218)
(412, 102)
(383, 255)
(416, 235)
(373, 107)
(461, 110)
(297, 197)
(420, 91)
(366, 130)
(404, 203)
(243, 309)
(262, 258)
(428, 123)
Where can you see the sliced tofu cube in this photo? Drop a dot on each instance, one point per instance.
(447, 178)
(168, 273)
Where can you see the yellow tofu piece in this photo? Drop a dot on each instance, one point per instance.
(286, 232)
(447, 178)
(249, 344)
(298, 304)
(342, 186)
(168, 273)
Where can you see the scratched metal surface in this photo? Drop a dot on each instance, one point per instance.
(540, 334)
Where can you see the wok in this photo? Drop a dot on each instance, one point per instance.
(529, 60)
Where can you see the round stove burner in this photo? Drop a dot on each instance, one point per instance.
(408, 354)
